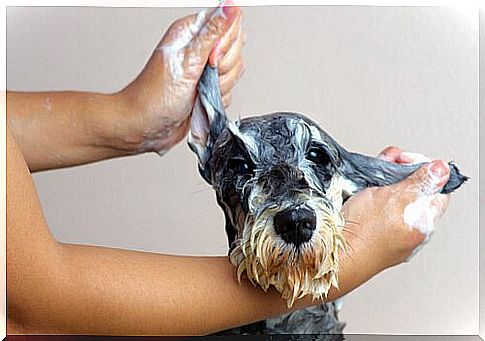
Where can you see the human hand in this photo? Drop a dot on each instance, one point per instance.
(163, 95)
(389, 224)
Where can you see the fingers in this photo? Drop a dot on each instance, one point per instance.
(396, 155)
(218, 23)
(229, 79)
(427, 180)
(227, 99)
(232, 41)
(415, 157)
(230, 58)
(231, 65)
(182, 30)
(424, 202)
(390, 154)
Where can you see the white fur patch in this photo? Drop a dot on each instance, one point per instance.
(347, 186)
(315, 132)
(340, 187)
(199, 129)
(248, 140)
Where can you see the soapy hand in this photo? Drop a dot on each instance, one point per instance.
(430, 204)
(164, 92)
(398, 219)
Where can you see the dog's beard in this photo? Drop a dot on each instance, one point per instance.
(310, 269)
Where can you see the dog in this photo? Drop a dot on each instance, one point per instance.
(281, 181)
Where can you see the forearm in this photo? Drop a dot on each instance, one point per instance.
(62, 129)
(157, 294)
(95, 290)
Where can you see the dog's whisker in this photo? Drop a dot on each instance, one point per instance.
(350, 256)
(350, 231)
(353, 233)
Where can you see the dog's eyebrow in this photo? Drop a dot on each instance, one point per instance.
(248, 140)
(315, 134)
(302, 135)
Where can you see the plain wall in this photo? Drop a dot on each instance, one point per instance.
(371, 76)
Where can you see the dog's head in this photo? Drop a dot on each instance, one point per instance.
(281, 181)
(276, 178)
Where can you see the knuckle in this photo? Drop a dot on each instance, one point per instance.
(215, 25)
(179, 23)
(223, 66)
(227, 99)
(223, 78)
(175, 24)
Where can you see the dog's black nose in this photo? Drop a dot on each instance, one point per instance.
(295, 225)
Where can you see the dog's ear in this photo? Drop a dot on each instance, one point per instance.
(208, 119)
(366, 171)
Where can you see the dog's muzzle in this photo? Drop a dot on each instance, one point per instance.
(292, 244)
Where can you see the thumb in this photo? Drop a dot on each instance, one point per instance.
(424, 203)
(218, 23)
(427, 180)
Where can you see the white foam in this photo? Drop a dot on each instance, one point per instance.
(173, 52)
(422, 213)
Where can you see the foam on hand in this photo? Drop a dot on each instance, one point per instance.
(428, 207)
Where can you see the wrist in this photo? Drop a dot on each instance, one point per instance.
(117, 125)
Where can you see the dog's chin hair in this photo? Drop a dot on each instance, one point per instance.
(295, 272)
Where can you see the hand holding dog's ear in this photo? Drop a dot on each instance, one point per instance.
(386, 225)
(162, 96)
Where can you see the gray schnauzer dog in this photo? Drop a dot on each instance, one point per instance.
(281, 182)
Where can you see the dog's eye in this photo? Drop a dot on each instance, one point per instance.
(317, 156)
(240, 166)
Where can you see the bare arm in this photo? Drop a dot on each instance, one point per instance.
(61, 129)
(62, 288)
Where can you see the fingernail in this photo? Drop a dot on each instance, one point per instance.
(404, 159)
(228, 8)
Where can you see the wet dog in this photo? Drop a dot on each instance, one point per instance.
(281, 182)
